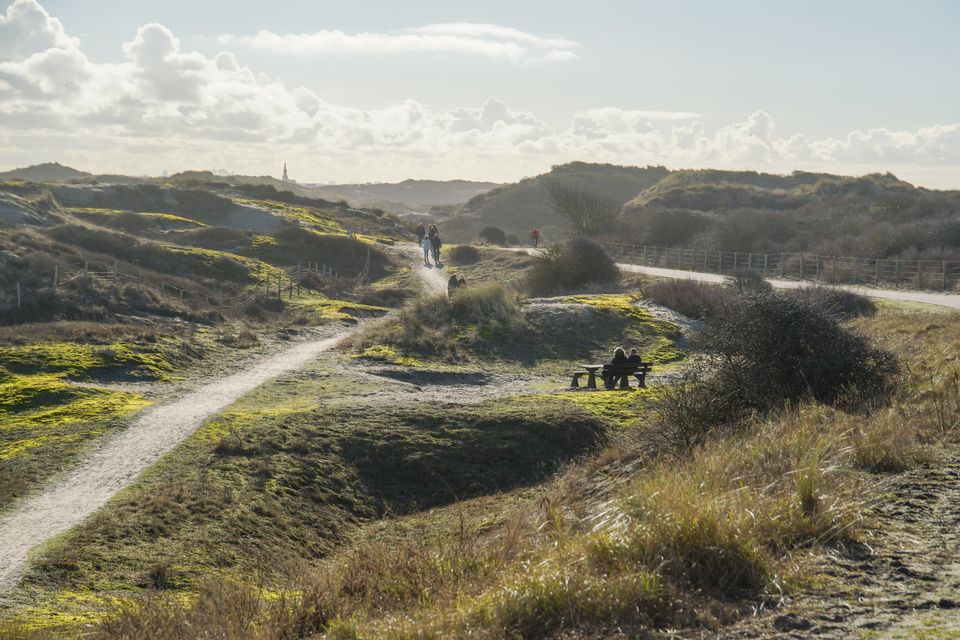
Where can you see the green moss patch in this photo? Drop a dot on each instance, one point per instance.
(287, 476)
(331, 309)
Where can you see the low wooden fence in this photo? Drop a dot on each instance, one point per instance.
(879, 272)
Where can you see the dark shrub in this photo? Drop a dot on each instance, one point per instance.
(835, 302)
(767, 351)
(463, 254)
(387, 297)
(493, 235)
(688, 297)
(565, 267)
(748, 280)
(477, 317)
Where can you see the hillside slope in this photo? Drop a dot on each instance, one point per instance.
(408, 195)
(876, 215)
(520, 206)
(46, 172)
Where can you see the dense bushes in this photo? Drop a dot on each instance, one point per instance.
(463, 254)
(493, 235)
(473, 318)
(688, 297)
(766, 351)
(569, 266)
(835, 302)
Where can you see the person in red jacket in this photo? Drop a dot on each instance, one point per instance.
(535, 237)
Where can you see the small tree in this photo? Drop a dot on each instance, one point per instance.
(587, 213)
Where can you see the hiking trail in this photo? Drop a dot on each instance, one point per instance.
(118, 461)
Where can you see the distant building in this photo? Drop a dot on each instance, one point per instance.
(286, 178)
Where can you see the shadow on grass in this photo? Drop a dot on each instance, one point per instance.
(414, 376)
(427, 460)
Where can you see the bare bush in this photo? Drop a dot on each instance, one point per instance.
(463, 254)
(569, 266)
(589, 214)
(493, 235)
(835, 302)
(688, 297)
(765, 352)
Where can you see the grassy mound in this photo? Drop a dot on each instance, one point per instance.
(571, 266)
(277, 482)
(463, 254)
(47, 422)
(474, 319)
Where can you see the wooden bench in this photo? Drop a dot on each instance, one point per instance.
(612, 373)
(622, 372)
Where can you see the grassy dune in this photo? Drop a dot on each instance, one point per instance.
(626, 539)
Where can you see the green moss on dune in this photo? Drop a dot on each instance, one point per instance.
(332, 309)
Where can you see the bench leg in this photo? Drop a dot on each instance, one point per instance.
(575, 383)
(624, 382)
(642, 379)
(592, 380)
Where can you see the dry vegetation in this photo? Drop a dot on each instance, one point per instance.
(646, 534)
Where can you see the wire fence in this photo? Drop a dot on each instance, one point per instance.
(276, 283)
(897, 273)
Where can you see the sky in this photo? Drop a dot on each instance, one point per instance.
(383, 91)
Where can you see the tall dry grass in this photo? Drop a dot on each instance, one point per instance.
(684, 540)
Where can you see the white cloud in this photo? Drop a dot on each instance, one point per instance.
(494, 32)
(163, 107)
(488, 40)
(27, 28)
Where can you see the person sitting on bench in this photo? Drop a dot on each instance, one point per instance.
(619, 357)
(634, 357)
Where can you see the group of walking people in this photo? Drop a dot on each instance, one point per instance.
(429, 241)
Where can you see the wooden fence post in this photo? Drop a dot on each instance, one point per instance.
(876, 275)
(86, 270)
(116, 270)
(56, 276)
(781, 264)
(19, 300)
(944, 274)
(802, 270)
(896, 266)
(765, 265)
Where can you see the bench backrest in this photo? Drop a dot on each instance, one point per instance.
(628, 368)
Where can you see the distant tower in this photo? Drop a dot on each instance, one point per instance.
(286, 178)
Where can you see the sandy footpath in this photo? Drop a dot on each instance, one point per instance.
(118, 461)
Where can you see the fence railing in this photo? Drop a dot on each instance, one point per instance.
(276, 283)
(886, 272)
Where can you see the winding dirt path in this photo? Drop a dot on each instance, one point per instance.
(433, 278)
(118, 462)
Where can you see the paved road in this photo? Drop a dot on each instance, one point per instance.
(940, 299)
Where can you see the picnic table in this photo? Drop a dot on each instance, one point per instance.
(614, 372)
(589, 370)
